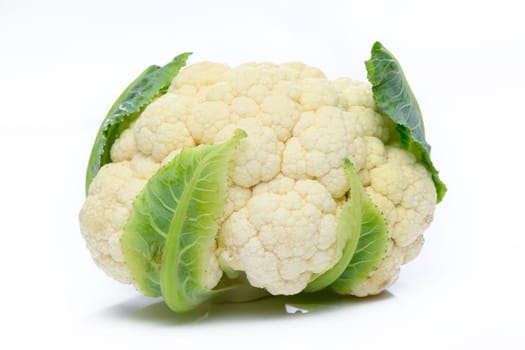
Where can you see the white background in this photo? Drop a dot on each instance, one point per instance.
(62, 64)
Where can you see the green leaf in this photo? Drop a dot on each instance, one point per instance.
(171, 231)
(371, 247)
(395, 98)
(348, 230)
(153, 82)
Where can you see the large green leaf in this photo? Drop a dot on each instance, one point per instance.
(154, 81)
(371, 247)
(171, 231)
(348, 229)
(395, 98)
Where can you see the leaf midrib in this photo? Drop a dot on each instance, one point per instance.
(170, 257)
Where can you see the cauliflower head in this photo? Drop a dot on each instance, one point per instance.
(286, 182)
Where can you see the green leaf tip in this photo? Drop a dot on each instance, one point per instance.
(151, 83)
(348, 165)
(240, 134)
(395, 99)
(376, 47)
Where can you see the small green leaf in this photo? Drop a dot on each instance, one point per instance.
(370, 250)
(170, 234)
(348, 229)
(154, 81)
(395, 98)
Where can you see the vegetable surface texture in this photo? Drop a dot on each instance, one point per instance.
(270, 176)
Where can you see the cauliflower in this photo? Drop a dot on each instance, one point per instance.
(243, 169)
